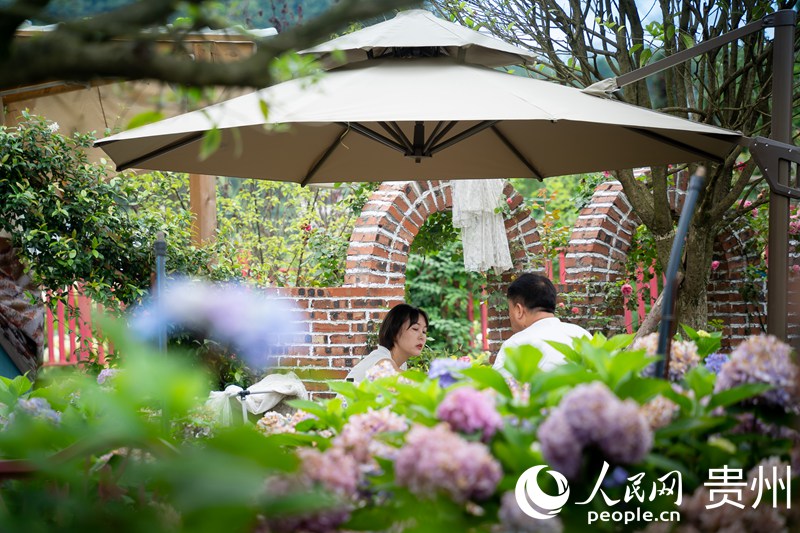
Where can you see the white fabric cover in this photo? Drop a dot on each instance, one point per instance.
(483, 232)
(270, 391)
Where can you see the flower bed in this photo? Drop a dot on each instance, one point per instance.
(413, 452)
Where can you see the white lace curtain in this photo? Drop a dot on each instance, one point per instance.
(483, 233)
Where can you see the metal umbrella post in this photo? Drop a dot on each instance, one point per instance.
(667, 328)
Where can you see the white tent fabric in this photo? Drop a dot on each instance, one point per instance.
(483, 233)
(263, 396)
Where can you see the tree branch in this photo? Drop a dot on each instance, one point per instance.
(71, 54)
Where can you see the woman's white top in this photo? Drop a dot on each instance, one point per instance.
(359, 372)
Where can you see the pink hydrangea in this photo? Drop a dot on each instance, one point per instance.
(333, 471)
(714, 265)
(357, 437)
(436, 460)
(592, 416)
(470, 411)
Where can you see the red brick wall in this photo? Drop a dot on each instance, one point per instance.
(341, 319)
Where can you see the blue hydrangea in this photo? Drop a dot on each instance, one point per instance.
(36, 408)
(715, 361)
(447, 370)
(243, 318)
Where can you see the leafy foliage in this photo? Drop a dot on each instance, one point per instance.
(70, 223)
(437, 282)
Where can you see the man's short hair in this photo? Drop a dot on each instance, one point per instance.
(534, 292)
(395, 320)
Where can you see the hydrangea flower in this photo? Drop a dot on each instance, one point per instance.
(470, 411)
(38, 408)
(592, 416)
(446, 370)
(683, 355)
(436, 460)
(242, 318)
(333, 471)
(660, 411)
(763, 359)
(357, 437)
(715, 361)
(274, 423)
(513, 520)
(381, 369)
(107, 374)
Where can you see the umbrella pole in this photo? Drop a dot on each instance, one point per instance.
(667, 328)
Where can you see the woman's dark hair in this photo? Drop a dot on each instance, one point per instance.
(534, 292)
(394, 321)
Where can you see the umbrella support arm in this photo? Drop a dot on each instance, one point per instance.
(784, 17)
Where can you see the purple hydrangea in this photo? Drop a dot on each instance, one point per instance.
(240, 317)
(715, 361)
(513, 520)
(763, 359)
(106, 374)
(592, 416)
(436, 460)
(357, 437)
(470, 411)
(447, 370)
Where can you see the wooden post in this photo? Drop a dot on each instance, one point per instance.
(203, 203)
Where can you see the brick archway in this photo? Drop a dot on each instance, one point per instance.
(379, 247)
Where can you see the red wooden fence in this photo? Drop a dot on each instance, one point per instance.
(69, 332)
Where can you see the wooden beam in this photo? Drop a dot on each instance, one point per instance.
(203, 204)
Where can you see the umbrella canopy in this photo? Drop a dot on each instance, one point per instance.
(416, 119)
(417, 32)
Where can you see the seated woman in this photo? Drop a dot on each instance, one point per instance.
(402, 335)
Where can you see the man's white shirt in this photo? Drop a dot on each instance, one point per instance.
(536, 335)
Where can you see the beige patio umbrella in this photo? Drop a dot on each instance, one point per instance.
(407, 116)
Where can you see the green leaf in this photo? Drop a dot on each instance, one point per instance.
(737, 394)
(142, 119)
(523, 362)
(211, 141)
(701, 381)
(310, 407)
(262, 104)
(489, 377)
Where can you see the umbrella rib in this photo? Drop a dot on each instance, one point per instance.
(678, 144)
(394, 130)
(480, 126)
(516, 152)
(313, 171)
(433, 137)
(161, 151)
(375, 136)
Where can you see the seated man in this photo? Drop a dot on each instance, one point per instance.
(531, 308)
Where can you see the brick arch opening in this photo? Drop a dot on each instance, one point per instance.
(392, 218)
